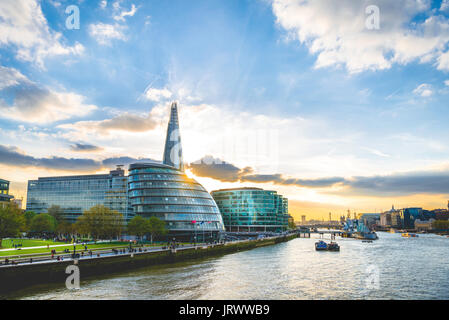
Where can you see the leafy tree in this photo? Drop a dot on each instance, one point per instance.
(156, 227)
(43, 223)
(101, 223)
(57, 213)
(64, 228)
(12, 221)
(29, 215)
(292, 224)
(138, 226)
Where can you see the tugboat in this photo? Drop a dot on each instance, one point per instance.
(333, 246)
(321, 246)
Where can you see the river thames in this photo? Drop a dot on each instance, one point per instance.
(389, 268)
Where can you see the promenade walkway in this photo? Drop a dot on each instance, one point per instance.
(102, 253)
(96, 253)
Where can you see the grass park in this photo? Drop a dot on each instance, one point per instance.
(33, 247)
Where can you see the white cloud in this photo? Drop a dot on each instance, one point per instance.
(444, 5)
(10, 77)
(123, 14)
(335, 31)
(54, 3)
(103, 4)
(443, 61)
(23, 26)
(104, 33)
(446, 82)
(157, 95)
(35, 104)
(423, 90)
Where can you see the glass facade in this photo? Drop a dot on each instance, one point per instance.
(4, 191)
(167, 193)
(75, 194)
(252, 210)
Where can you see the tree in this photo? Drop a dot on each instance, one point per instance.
(101, 223)
(156, 227)
(28, 215)
(57, 213)
(64, 228)
(43, 223)
(12, 221)
(291, 224)
(138, 226)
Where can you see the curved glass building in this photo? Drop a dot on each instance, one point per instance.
(169, 194)
(252, 210)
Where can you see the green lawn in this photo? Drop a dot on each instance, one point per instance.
(9, 243)
(59, 250)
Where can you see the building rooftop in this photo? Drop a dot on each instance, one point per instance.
(242, 189)
(150, 165)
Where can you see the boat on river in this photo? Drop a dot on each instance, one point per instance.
(333, 246)
(371, 235)
(409, 235)
(321, 246)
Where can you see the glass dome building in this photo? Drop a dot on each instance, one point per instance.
(169, 194)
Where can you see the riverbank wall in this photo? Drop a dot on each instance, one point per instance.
(13, 278)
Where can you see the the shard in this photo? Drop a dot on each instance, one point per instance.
(173, 148)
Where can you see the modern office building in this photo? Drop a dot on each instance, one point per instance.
(4, 191)
(169, 194)
(75, 194)
(252, 210)
(408, 217)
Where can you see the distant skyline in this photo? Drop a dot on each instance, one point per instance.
(291, 95)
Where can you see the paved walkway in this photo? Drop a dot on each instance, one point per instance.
(95, 255)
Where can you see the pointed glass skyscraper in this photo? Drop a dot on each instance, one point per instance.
(173, 148)
(166, 192)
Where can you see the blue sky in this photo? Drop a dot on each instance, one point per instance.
(341, 100)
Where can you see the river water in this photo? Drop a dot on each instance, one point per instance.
(389, 268)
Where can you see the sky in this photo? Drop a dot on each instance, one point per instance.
(337, 105)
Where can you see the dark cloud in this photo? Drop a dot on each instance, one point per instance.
(80, 147)
(13, 157)
(279, 179)
(217, 169)
(430, 182)
(226, 172)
